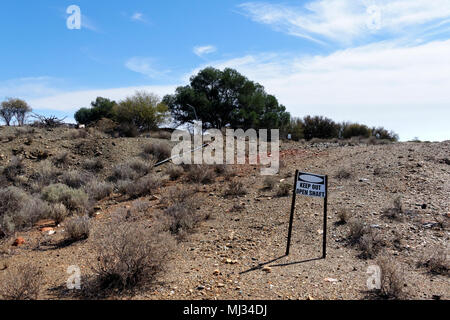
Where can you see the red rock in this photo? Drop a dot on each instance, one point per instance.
(18, 242)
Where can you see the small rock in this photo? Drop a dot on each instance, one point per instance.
(330, 280)
(216, 272)
(18, 242)
(267, 269)
(200, 287)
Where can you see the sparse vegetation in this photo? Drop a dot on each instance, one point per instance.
(74, 179)
(175, 172)
(93, 164)
(98, 190)
(436, 261)
(284, 189)
(23, 283)
(343, 216)
(343, 174)
(142, 187)
(269, 182)
(203, 174)
(160, 151)
(235, 189)
(392, 279)
(395, 213)
(73, 199)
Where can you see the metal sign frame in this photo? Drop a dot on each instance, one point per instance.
(291, 219)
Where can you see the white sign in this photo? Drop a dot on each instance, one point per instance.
(311, 185)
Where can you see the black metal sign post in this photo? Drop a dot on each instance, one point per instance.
(310, 185)
(291, 219)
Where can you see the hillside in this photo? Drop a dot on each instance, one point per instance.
(236, 249)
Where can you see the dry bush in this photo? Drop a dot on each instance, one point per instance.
(98, 190)
(18, 210)
(140, 167)
(93, 164)
(59, 212)
(370, 245)
(181, 218)
(357, 229)
(174, 172)
(130, 170)
(203, 174)
(436, 261)
(343, 173)
(74, 179)
(235, 189)
(130, 256)
(77, 228)
(14, 168)
(73, 199)
(269, 182)
(162, 135)
(74, 134)
(24, 283)
(392, 279)
(61, 160)
(161, 151)
(284, 189)
(343, 216)
(143, 186)
(237, 207)
(394, 213)
(46, 173)
(178, 194)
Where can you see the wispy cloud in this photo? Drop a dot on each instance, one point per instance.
(347, 21)
(145, 66)
(138, 16)
(87, 23)
(29, 87)
(204, 50)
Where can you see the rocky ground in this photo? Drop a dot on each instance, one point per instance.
(238, 253)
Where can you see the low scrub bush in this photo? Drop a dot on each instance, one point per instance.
(45, 174)
(59, 212)
(395, 213)
(77, 228)
(98, 190)
(392, 279)
(160, 151)
(23, 283)
(142, 187)
(93, 164)
(436, 261)
(74, 179)
(14, 168)
(175, 172)
(203, 174)
(284, 189)
(62, 159)
(269, 182)
(73, 199)
(343, 173)
(235, 189)
(130, 256)
(343, 216)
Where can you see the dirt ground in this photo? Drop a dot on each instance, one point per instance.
(240, 254)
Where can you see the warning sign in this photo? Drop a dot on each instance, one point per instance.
(311, 185)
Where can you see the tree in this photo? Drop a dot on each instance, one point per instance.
(144, 110)
(100, 108)
(319, 127)
(355, 130)
(17, 108)
(226, 98)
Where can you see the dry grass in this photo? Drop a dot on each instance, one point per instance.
(174, 172)
(284, 189)
(160, 151)
(436, 261)
(269, 183)
(98, 190)
(392, 279)
(93, 164)
(23, 283)
(343, 216)
(203, 174)
(74, 179)
(144, 186)
(343, 174)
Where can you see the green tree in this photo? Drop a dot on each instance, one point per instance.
(220, 98)
(100, 108)
(320, 127)
(296, 128)
(355, 130)
(144, 110)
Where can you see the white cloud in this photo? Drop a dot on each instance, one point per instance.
(203, 50)
(346, 21)
(29, 87)
(138, 16)
(404, 88)
(145, 66)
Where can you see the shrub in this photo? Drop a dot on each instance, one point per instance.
(175, 172)
(436, 261)
(100, 108)
(200, 174)
(93, 164)
(131, 170)
(319, 127)
(357, 229)
(284, 189)
(99, 190)
(235, 189)
(269, 182)
(13, 169)
(24, 283)
(61, 159)
(59, 213)
(45, 174)
(369, 245)
(18, 210)
(343, 174)
(77, 228)
(343, 216)
(355, 130)
(128, 130)
(182, 218)
(394, 213)
(142, 187)
(161, 151)
(383, 134)
(76, 134)
(130, 256)
(392, 279)
(73, 199)
(74, 179)
(140, 167)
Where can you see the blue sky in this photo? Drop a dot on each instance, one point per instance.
(377, 62)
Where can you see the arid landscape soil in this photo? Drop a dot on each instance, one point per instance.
(386, 201)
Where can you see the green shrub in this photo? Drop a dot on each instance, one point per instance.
(74, 179)
(77, 228)
(319, 127)
(355, 130)
(73, 199)
(99, 190)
